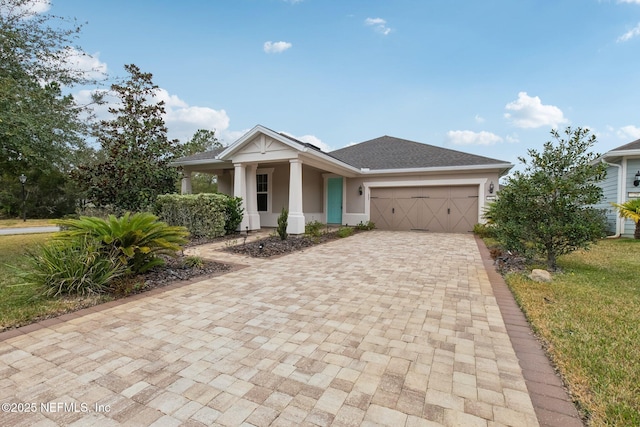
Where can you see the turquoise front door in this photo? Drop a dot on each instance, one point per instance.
(334, 201)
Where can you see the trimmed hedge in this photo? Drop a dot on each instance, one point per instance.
(202, 214)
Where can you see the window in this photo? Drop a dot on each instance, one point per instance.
(262, 189)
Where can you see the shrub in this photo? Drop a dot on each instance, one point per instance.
(484, 230)
(313, 228)
(136, 240)
(204, 215)
(344, 231)
(72, 268)
(369, 225)
(233, 214)
(282, 224)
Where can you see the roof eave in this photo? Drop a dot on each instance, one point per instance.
(200, 162)
(621, 153)
(503, 168)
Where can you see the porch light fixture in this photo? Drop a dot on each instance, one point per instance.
(360, 189)
(491, 188)
(636, 181)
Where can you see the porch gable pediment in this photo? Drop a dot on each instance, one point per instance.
(259, 145)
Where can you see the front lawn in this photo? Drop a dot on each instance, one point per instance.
(19, 223)
(589, 316)
(20, 305)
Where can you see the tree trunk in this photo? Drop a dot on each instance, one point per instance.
(636, 233)
(552, 264)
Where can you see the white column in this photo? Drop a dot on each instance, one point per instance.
(252, 198)
(240, 190)
(186, 182)
(296, 216)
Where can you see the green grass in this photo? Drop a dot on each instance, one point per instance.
(589, 316)
(18, 222)
(21, 305)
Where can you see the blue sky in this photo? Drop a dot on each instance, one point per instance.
(488, 77)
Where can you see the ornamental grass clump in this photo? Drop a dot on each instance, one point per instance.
(71, 268)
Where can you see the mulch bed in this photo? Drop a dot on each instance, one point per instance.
(274, 246)
(176, 269)
(508, 262)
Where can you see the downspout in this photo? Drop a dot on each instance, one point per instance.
(619, 224)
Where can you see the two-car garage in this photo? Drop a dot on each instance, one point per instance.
(443, 209)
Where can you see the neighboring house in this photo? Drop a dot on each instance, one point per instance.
(621, 184)
(396, 183)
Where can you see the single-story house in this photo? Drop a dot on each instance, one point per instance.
(621, 184)
(396, 183)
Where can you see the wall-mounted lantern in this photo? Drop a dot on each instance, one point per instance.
(360, 190)
(491, 188)
(636, 181)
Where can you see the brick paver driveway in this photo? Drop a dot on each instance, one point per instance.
(382, 328)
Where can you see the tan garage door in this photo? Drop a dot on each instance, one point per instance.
(438, 209)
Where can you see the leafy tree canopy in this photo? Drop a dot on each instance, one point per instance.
(201, 141)
(39, 125)
(546, 209)
(132, 168)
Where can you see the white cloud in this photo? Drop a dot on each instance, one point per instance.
(182, 119)
(379, 25)
(629, 1)
(629, 132)
(89, 65)
(512, 139)
(634, 32)
(467, 137)
(293, 1)
(276, 47)
(479, 119)
(28, 9)
(528, 112)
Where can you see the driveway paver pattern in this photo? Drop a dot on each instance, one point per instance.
(382, 328)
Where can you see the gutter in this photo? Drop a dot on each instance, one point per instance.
(503, 167)
(619, 224)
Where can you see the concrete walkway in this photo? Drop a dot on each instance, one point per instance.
(397, 329)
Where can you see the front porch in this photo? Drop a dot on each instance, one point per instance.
(271, 171)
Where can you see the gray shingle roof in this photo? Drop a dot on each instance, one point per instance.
(387, 152)
(635, 145)
(207, 155)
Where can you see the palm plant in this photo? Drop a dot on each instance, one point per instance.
(630, 210)
(137, 239)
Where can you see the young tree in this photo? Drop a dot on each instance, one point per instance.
(546, 209)
(135, 151)
(201, 141)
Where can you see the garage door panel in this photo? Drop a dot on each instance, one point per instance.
(435, 215)
(381, 213)
(461, 192)
(406, 214)
(464, 213)
(436, 192)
